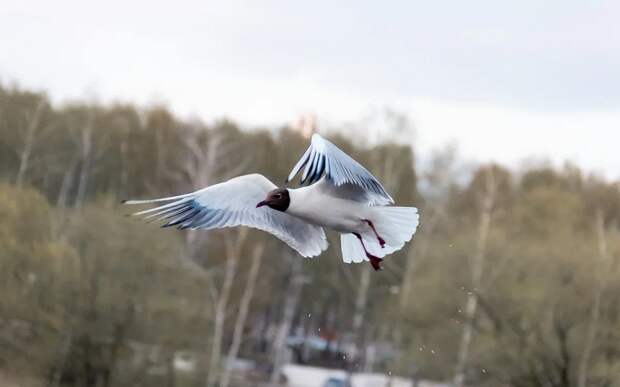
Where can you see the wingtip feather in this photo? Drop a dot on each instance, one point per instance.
(316, 137)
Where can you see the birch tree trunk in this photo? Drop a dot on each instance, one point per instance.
(477, 264)
(65, 186)
(200, 169)
(86, 147)
(233, 250)
(124, 173)
(290, 304)
(440, 176)
(244, 306)
(601, 268)
(361, 300)
(32, 127)
(420, 251)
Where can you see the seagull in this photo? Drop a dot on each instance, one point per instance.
(336, 192)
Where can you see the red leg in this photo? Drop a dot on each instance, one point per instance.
(381, 241)
(374, 261)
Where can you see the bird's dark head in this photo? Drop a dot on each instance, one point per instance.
(278, 199)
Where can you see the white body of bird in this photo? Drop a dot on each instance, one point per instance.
(312, 205)
(395, 225)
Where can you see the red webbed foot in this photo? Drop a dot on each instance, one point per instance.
(381, 242)
(374, 230)
(375, 262)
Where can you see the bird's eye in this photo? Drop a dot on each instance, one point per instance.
(278, 196)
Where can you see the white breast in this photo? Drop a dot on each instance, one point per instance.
(323, 210)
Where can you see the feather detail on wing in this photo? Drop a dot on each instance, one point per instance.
(233, 203)
(323, 158)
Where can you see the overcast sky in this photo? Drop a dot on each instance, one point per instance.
(504, 80)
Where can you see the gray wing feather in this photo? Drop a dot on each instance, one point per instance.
(324, 159)
(233, 203)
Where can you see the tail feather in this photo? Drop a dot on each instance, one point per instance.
(352, 251)
(396, 225)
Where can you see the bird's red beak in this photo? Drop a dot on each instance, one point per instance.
(263, 203)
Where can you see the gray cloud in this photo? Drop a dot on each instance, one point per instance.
(542, 55)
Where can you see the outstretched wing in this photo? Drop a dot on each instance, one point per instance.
(233, 203)
(341, 171)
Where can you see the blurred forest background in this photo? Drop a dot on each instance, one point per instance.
(513, 278)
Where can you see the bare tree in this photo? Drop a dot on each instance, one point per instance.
(439, 176)
(31, 135)
(477, 264)
(66, 183)
(361, 301)
(199, 169)
(293, 292)
(233, 251)
(202, 166)
(601, 269)
(244, 306)
(85, 152)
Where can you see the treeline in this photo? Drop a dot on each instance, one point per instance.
(512, 278)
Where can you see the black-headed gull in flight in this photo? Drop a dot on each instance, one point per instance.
(337, 193)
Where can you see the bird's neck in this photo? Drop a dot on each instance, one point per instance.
(301, 201)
